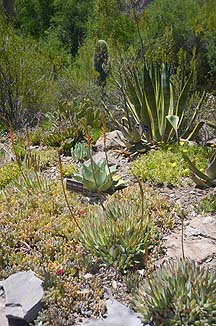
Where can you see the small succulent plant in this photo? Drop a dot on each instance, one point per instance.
(119, 235)
(204, 180)
(97, 176)
(80, 152)
(179, 293)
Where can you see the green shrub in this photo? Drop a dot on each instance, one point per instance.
(178, 293)
(8, 173)
(166, 165)
(25, 79)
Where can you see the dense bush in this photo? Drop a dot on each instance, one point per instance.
(25, 80)
(169, 26)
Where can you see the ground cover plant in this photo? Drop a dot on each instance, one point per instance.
(167, 164)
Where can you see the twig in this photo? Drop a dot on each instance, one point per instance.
(64, 192)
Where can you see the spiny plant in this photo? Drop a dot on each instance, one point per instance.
(207, 179)
(152, 111)
(118, 235)
(178, 293)
(97, 176)
(101, 61)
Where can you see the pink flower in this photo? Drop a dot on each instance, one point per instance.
(60, 272)
(82, 212)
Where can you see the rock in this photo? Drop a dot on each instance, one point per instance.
(199, 239)
(23, 295)
(117, 315)
(114, 140)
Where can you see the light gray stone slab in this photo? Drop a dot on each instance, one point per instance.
(23, 295)
(117, 315)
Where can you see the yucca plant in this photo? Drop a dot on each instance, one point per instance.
(178, 293)
(207, 179)
(98, 176)
(151, 102)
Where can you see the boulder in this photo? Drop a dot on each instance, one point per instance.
(114, 140)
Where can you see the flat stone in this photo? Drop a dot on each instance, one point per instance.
(23, 295)
(199, 239)
(117, 315)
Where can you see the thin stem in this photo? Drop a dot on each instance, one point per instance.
(105, 148)
(182, 234)
(65, 195)
(88, 137)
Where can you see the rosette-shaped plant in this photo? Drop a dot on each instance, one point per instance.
(179, 293)
(97, 176)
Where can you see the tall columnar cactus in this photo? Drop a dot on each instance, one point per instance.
(101, 61)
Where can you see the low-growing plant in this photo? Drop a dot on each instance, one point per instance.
(98, 176)
(8, 173)
(38, 233)
(178, 293)
(208, 204)
(80, 152)
(166, 165)
(68, 169)
(119, 235)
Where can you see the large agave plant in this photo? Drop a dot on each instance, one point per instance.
(151, 101)
(207, 179)
(97, 176)
(179, 293)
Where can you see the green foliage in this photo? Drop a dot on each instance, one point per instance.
(151, 101)
(37, 233)
(97, 176)
(70, 20)
(112, 21)
(8, 173)
(46, 157)
(208, 204)
(64, 139)
(166, 165)
(25, 81)
(34, 16)
(168, 26)
(101, 61)
(178, 293)
(204, 180)
(80, 152)
(120, 235)
(68, 169)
